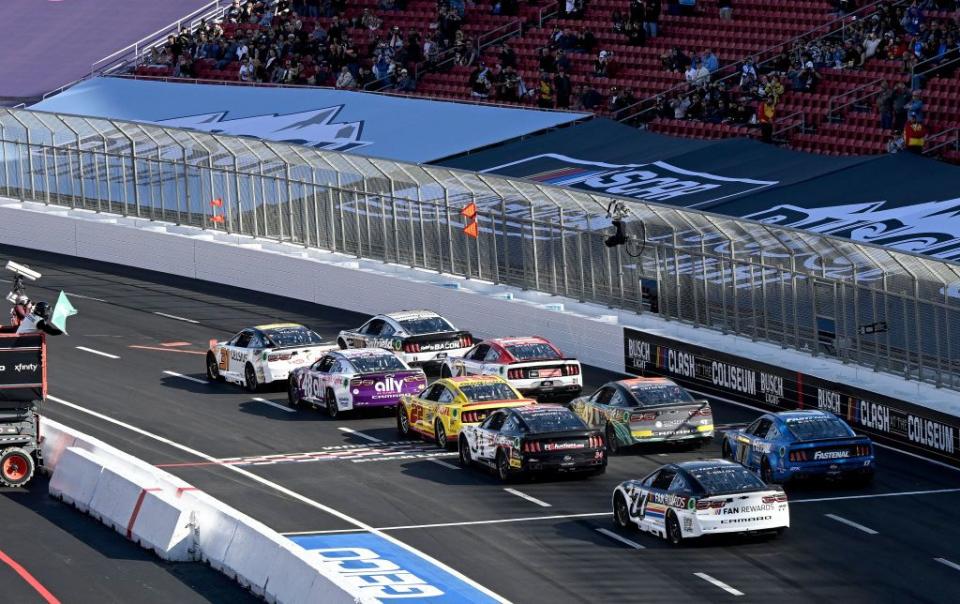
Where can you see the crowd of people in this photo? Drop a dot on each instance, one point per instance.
(283, 42)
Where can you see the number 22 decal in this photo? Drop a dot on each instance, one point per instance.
(224, 357)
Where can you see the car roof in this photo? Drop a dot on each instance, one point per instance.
(532, 410)
(644, 380)
(800, 414)
(276, 326)
(357, 353)
(404, 315)
(462, 380)
(515, 340)
(702, 464)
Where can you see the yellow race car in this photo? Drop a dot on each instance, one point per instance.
(443, 407)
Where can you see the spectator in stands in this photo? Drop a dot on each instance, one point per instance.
(602, 64)
(885, 106)
(674, 60)
(726, 9)
(748, 73)
(508, 58)
(479, 82)
(914, 135)
(687, 8)
(406, 82)
(710, 61)
(915, 106)
(871, 44)
(545, 91)
(345, 80)
(901, 97)
(564, 88)
(589, 98)
(246, 70)
(651, 17)
(766, 114)
(547, 63)
(636, 35)
(679, 104)
(619, 22)
(586, 41)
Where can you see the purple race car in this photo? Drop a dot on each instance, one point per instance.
(344, 380)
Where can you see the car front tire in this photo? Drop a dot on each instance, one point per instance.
(440, 435)
(613, 445)
(213, 368)
(403, 421)
(330, 400)
(465, 459)
(621, 512)
(293, 393)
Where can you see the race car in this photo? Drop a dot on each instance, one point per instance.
(801, 444)
(441, 410)
(344, 380)
(533, 438)
(696, 498)
(640, 410)
(258, 356)
(420, 337)
(532, 365)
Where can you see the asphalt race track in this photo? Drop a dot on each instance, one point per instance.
(299, 472)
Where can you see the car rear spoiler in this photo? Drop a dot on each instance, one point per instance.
(586, 433)
(834, 440)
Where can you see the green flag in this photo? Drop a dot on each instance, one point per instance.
(61, 311)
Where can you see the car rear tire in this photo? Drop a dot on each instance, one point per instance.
(725, 450)
(16, 467)
(440, 435)
(330, 402)
(465, 459)
(213, 368)
(403, 421)
(250, 379)
(503, 467)
(621, 513)
(674, 534)
(613, 446)
(766, 472)
(293, 392)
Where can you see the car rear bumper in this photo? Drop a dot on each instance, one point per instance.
(721, 525)
(565, 462)
(558, 391)
(848, 469)
(431, 360)
(650, 436)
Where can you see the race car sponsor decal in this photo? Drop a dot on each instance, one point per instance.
(378, 570)
(820, 455)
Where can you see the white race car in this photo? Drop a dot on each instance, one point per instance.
(532, 365)
(697, 498)
(260, 355)
(420, 337)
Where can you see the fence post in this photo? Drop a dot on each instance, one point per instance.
(136, 176)
(533, 241)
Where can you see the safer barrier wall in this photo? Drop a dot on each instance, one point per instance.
(164, 514)
(750, 381)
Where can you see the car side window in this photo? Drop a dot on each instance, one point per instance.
(446, 396)
(485, 424)
(373, 327)
(243, 340)
(603, 396)
(751, 429)
(434, 392)
(496, 421)
(511, 426)
(480, 352)
(324, 364)
(679, 484)
(387, 330)
(492, 355)
(763, 426)
(649, 480)
(773, 433)
(338, 367)
(618, 400)
(664, 479)
(257, 341)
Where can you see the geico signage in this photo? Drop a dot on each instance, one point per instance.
(364, 571)
(930, 434)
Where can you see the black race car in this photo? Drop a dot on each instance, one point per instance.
(533, 438)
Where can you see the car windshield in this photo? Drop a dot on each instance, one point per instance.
(653, 394)
(375, 364)
(534, 351)
(818, 426)
(552, 420)
(425, 325)
(293, 336)
(726, 479)
(494, 391)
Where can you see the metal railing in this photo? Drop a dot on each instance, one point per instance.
(831, 28)
(770, 283)
(943, 140)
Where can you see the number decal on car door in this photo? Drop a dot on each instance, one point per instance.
(224, 358)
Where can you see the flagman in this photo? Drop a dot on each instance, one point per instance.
(41, 319)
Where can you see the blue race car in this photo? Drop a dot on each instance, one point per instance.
(801, 444)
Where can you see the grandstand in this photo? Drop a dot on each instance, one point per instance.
(828, 72)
